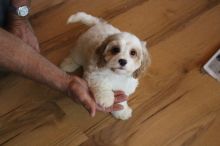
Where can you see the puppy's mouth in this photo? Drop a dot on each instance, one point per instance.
(118, 69)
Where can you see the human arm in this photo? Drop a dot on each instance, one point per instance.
(17, 56)
(20, 26)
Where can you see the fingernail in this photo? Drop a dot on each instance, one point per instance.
(92, 114)
(118, 107)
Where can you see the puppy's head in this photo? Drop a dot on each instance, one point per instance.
(123, 53)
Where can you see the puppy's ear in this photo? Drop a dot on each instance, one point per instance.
(145, 61)
(100, 54)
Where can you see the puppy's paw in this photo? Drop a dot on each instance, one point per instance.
(123, 114)
(106, 99)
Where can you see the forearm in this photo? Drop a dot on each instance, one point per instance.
(17, 56)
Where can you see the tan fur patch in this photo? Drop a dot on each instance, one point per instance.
(101, 57)
(145, 62)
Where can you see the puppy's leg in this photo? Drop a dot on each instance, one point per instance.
(100, 88)
(69, 65)
(104, 96)
(124, 114)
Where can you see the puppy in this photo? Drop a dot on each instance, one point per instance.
(111, 59)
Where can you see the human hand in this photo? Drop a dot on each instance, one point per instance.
(21, 28)
(79, 91)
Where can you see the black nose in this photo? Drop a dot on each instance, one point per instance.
(122, 62)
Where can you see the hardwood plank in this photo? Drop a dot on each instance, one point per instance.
(39, 6)
(186, 119)
(210, 137)
(52, 131)
(23, 91)
(158, 26)
(55, 23)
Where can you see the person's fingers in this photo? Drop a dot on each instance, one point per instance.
(36, 44)
(36, 47)
(78, 92)
(90, 105)
(32, 41)
(87, 100)
(118, 93)
(115, 107)
(120, 98)
(23, 38)
(32, 44)
(93, 110)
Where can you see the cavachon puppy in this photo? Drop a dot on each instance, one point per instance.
(111, 59)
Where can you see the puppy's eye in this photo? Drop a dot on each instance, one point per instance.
(133, 53)
(115, 50)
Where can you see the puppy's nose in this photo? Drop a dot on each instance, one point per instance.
(122, 62)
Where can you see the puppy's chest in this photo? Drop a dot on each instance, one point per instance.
(115, 81)
(125, 84)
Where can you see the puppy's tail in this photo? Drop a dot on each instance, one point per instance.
(84, 18)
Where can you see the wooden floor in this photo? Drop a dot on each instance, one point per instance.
(175, 105)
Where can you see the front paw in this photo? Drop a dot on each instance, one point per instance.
(123, 114)
(106, 99)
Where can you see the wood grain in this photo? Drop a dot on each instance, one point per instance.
(175, 105)
(39, 6)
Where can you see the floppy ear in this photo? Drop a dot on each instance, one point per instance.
(100, 51)
(100, 54)
(145, 62)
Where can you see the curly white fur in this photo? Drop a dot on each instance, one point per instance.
(111, 75)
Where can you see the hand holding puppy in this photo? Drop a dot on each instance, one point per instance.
(79, 91)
